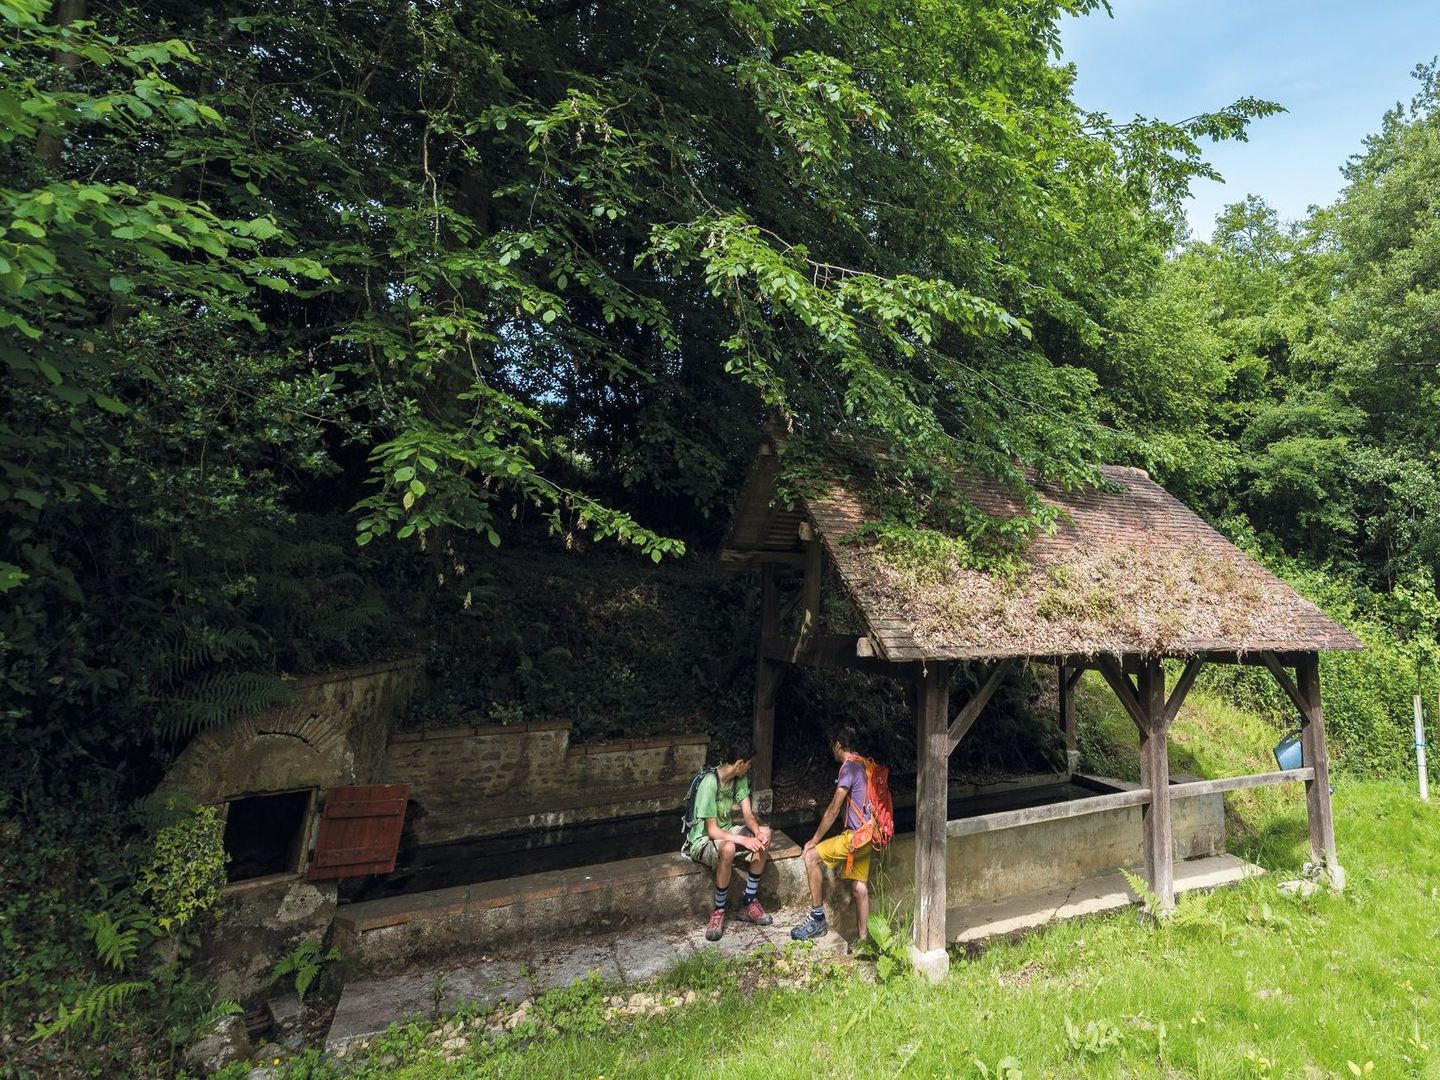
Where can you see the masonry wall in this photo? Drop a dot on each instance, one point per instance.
(333, 733)
(483, 781)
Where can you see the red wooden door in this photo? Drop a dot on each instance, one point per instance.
(359, 831)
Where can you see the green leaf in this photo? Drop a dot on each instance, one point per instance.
(111, 405)
(119, 283)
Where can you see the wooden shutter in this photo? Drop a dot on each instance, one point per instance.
(359, 831)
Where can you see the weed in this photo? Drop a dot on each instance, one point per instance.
(304, 962)
(437, 993)
(577, 1008)
(1096, 1038)
(885, 947)
(1007, 1068)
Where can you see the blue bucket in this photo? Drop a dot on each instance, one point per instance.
(1288, 753)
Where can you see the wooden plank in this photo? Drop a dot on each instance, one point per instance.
(1312, 736)
(1237, 783)
(1182, 687)
(960, 726)
(1008, 819)
(932, 749)
(1157, 837)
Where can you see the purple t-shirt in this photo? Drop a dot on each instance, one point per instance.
(852, 776)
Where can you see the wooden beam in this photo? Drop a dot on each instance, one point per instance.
(1076, 673)
(1028, 815)
(1317, 790)
(960, 726)
(1182, 687)
(768, 674)
(748, 560)
(831, 651)
(1238, 783)
(1157, 838)
(1124, 689)
(810, 590)
(932, 748)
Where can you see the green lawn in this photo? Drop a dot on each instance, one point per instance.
(1241, 983)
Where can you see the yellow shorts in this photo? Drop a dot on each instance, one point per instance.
(834, 851)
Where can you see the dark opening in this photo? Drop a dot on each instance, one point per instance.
(263, 834)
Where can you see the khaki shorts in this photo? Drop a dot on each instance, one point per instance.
(707, 853)
(835, 851)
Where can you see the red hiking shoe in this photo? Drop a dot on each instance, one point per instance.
(716, 926)
(757, 914)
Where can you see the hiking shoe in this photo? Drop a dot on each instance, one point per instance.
(716, 926)
(810, 928)
(757, 914)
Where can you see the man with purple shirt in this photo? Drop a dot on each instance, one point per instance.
(852, 798)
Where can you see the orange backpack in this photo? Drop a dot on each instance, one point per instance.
(877, 817)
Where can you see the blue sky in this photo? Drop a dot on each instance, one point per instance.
(1337, 66)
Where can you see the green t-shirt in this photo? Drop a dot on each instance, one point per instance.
(713, 799)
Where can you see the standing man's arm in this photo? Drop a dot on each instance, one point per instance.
(827, 819)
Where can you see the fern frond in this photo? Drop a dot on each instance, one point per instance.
(217, 699)
(115, 943)
(185, 650)
(91, 1006)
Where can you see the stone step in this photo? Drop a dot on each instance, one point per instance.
(975, 923)
(368, 1006)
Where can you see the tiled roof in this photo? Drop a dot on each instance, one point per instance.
(1129, 570)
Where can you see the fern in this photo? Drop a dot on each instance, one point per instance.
(217, 699)
(304, 962)
(91, 1006)
(117, 943)
(187, 649)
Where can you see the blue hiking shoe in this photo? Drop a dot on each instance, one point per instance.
(810, 928)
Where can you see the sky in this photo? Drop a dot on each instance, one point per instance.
(1336, 65)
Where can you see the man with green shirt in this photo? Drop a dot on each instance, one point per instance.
(714, 842)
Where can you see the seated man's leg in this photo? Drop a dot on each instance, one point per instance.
(756, 863)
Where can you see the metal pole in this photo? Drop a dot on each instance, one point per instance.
(1420, 751)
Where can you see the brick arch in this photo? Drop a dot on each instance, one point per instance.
(310, 742)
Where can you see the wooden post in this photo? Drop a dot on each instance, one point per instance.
(1317, 791)
(1067, 716)
(1155, 775)
(767, 680)
(932, 750)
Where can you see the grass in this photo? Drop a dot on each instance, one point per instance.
(1245, 982)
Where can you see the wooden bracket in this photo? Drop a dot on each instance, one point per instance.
(1124, 689)
(1277, 669)
(960, 726)
(1182, 687)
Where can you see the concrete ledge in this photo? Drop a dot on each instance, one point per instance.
(379, 935)
(975, 923)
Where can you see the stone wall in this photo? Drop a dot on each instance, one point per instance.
(484, 781)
